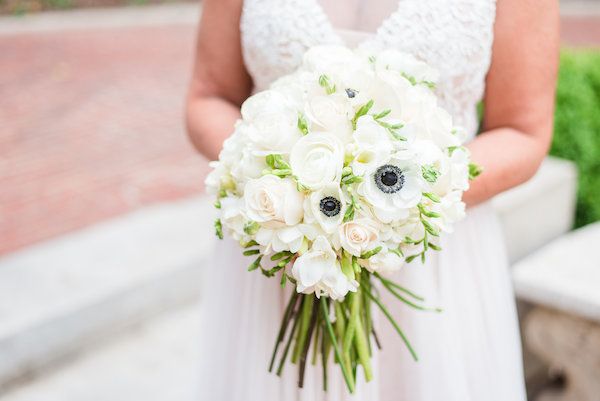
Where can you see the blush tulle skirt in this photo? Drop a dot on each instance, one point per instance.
(468, 352)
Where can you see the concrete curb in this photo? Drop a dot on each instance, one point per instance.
(59, 297)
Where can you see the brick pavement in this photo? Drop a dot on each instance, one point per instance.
(91, 127)
(91, 123)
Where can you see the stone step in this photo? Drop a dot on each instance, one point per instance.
(156, 361)
(59, 297)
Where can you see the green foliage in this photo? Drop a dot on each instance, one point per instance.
(577, 126)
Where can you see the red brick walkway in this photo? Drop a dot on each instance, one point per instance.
(91, 125)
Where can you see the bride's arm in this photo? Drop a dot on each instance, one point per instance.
(220, 82)
(519, 98)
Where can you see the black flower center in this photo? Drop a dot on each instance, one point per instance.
(351, 92)
(389, 179)
(330, 206)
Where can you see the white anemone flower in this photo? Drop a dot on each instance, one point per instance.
(392, 189)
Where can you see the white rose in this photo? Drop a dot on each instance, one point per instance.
(318, 271)
(384, 262)
(317, 159)
(392, 189)
(358, 236)
(430, 121)
(330, 113)
(274, 200)
(326, 207)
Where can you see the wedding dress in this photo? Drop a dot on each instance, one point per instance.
(470, 351)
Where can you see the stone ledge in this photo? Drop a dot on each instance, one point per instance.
(57, 297)
(539, 210)
(564, 275)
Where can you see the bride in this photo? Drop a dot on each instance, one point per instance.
(504, 52)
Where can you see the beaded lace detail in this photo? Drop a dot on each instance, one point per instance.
(454, 36)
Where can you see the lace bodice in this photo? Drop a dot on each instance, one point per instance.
(454, 36)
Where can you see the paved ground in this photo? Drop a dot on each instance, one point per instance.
(91, 126)
(156, 362)
(91, 115)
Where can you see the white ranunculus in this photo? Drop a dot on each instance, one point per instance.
(430, 121)
(232, 217)
(265, 102)
(372, 145)
(275, 132)
(459, 170)
(326, 207)
(286, 238)
(248, 166)
(393, 60)
(396, 231)
(358, 236)
(392, 202)
(273, 201)
(330, 113)
(451, 208)
(384, 263)
(317, 159)
(318, 271)
(329, 59)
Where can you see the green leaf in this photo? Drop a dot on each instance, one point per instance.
(219, 228)
(430, 173)
(362, 110)
(326, 83)
(251, 227)
(382, 114)
(474, 171)
(412, 257)
(302, 124)
(370, 253)
(251, 252)
(255, 265)
(430, 229)
(217, 204)
(431, 196)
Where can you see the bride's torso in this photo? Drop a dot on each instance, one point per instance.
(454, 36)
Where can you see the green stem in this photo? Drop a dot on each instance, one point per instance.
(336, 348)
(406, 301)
(350, 329)
(399, 287)
(305, 315)
(393, 322)
(284, 325)
(309, 336)
(360, 339)
(286, 350)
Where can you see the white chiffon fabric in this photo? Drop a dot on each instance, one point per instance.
(471, 350)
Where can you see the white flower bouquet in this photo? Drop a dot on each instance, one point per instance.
(333, 179)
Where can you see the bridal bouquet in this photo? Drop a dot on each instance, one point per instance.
(334, 178)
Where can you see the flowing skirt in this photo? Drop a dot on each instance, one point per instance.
(468, 352)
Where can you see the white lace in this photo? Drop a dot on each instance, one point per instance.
(454, 36)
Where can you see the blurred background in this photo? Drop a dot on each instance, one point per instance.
(104, 228)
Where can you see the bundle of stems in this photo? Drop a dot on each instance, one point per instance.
(340, 332)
